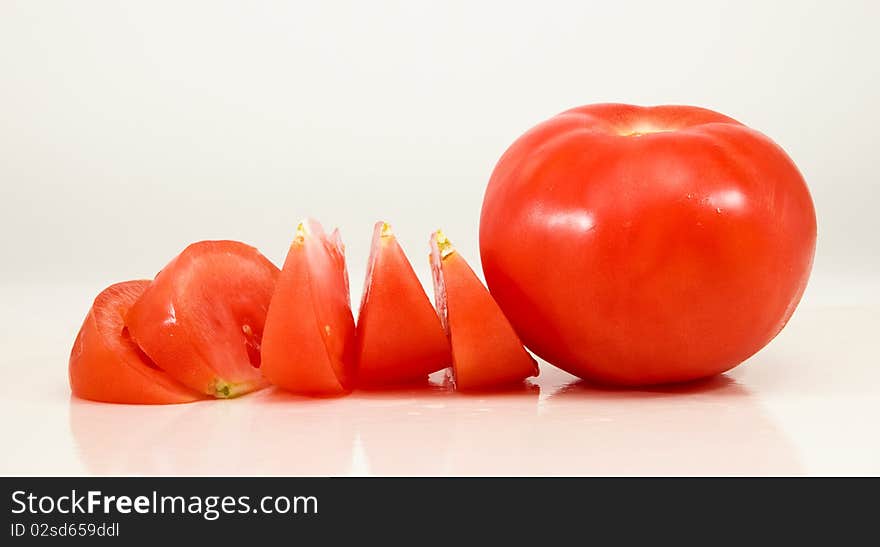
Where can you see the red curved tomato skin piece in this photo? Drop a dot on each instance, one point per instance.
(201, 319)
(107, 366)
(486, 352)
(638, 246)
(308, 343)
(399, 336)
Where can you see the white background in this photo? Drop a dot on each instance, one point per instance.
(130, 129)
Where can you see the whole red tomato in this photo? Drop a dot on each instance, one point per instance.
(635, 245)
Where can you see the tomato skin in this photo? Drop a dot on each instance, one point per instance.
(107, 366)
(309, 339)
(399, 336)
(635, 257)
(487, 354)
(201, 319)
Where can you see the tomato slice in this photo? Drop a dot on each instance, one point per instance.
(309, 340)
(201, 319)
(486, 351)
(107, 366)
(399, 336)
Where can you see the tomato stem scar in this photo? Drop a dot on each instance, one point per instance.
(300, 236)
(222, 390)
(444, 245)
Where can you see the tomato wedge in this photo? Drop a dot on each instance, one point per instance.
(201, 319)
(107, 366)
(486, 351)
(309, 340)
(399, 336)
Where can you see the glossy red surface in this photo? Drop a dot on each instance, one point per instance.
(308, 344)
(636, 245)
(486, 352)
(399, 336)
(201, 319)
(107, 366)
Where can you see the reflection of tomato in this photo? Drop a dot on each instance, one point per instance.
(105, 365)
(201, 319)
(646, 245)
(486, 352)
(399, 337)
(308, 345)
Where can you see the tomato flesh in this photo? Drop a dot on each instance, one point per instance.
(309, 339)
(201, 319)
(107, 366)
(399, 335)
(634, 246)
(486, 351)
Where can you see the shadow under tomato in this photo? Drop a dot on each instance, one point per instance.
(721, 384)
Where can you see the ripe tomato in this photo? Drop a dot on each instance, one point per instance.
(399, 336)
(201, 319)
(638, 245)
(309, 341)
(486, 352)
(106, 365)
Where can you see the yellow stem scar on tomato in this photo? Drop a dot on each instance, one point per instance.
(444, 245)
(222, 390)
(300, 236)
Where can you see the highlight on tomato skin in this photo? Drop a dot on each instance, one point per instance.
(201, 319)
(309, 337)
(107, 366)
(487, 353)
(399, 336)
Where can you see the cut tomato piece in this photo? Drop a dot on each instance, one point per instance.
(107, 366)
(399, 336)
(309, 341)
(201, 319)
(486, 351)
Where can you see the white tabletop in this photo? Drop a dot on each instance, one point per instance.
(809, 403)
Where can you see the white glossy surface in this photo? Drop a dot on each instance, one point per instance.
(808, 404)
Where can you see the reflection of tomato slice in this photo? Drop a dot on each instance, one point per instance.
(399, 336)
(308, 345)
(201, 319)
(486, 351)
(106, 365)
